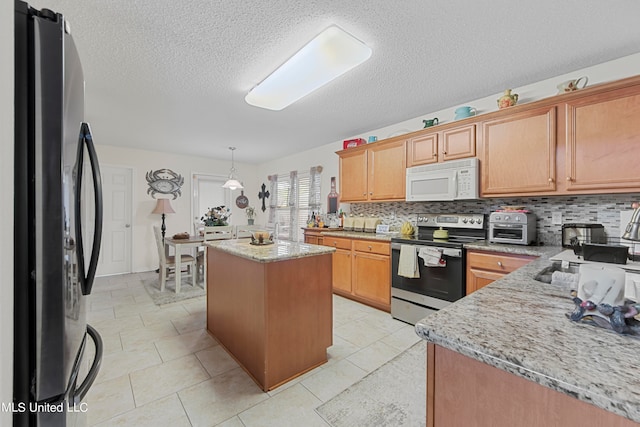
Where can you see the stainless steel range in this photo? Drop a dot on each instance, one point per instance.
(441, 264)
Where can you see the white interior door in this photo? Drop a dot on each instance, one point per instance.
(115, 254)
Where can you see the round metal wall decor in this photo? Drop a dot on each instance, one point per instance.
(164, 181)
(242, 201)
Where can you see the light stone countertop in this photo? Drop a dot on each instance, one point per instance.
(519, 325)
(361, 235)
(540, 251)
(280, 250)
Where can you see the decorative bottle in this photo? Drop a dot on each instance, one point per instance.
(508, 99)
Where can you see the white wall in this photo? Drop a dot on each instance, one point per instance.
(145, 255)
(6, 215)
(325, 155)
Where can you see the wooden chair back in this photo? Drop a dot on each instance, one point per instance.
(244, 231)
(219, 232)
(160, 245)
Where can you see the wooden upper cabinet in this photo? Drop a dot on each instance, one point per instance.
(458, 143)
(387, 171)
(422, 150)
(353, 176)
(519, 153)
(603, 141)
(449, 144)
(377, 172)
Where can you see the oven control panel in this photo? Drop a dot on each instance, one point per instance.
(452, 220)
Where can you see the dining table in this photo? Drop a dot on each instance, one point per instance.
(178, 245)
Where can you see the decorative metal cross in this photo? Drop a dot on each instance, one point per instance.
(263, 195)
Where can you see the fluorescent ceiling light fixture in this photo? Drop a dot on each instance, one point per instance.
(331, 54)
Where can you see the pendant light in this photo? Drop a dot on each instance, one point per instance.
(232, 183)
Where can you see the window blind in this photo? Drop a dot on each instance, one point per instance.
(292, 209)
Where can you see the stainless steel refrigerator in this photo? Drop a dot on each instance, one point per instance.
(55, 160)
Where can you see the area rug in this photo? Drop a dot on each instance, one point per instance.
(187, 291)
(393, 395)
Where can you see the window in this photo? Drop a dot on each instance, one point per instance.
(293, 201)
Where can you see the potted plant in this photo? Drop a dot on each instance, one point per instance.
(251, 214)
(216, 216)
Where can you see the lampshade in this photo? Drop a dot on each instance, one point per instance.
(232, 183)
(163, 206)
(632, 232)
(331, 54)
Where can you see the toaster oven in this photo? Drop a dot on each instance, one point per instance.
(516, 228)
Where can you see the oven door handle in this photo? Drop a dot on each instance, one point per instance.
(450, 252)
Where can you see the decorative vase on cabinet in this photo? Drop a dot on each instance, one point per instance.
(508, 99)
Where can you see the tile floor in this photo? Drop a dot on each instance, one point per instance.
(160, 367)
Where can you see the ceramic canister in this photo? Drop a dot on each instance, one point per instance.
(464, 112)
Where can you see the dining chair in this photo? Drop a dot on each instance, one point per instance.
(198, 228)
(169, 261)
(244, 231)
(219, 232)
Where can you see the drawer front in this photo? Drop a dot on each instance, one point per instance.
(369, 246)
(497, 262)
(337, 242)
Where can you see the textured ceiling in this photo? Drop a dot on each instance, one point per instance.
(172, 75)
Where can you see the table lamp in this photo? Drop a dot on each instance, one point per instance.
(163, 206)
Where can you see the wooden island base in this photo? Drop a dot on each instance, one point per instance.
(466, 392)
(274, 318)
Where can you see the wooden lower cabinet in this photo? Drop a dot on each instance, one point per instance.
(462, 391)
(486, 267)
(342, 270)
(362, 270)
(314, 235)
(371, 278)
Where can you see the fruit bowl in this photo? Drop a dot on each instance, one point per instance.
(261, 237)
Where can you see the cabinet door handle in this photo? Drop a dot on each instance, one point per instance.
(499, 263)
(371, 193)
(369, 247)
(569, 178)
(550, 180)
(444, 152)
(435, 154)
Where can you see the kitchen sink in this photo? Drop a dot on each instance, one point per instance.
(544, 275)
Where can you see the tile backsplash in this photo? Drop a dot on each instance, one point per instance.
(602, 208)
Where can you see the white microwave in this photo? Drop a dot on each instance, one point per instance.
(451, 180)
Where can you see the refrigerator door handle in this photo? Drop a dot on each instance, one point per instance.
(86, 139)
(82, 390)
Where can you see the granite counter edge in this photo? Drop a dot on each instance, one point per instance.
(322, 250)
(618, 407)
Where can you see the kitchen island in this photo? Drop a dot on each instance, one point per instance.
(508, 355)
(271, 306)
